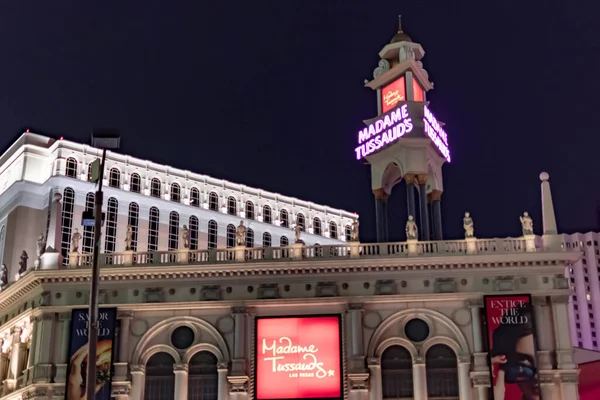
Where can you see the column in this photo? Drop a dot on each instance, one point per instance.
(222, 386)
(357, 376)
(42, 359)
(355, 311)
(464, 379)
(181, 381)
(544, 332)
(138, 380)
(380, 213)
(125, 318)
(424, 228)
(436, 207)
(375, 379)
(410, 194)
(480, 362)
(562, 332)
(62, 350)
(419, 379)
(238, 366)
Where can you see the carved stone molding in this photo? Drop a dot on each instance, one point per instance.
(137, 369)
(539, 301)
(222, 366)
(124, 314)
(64, 316)
(445, 285)
(474, 303)
(238, 384)
(546, 379)
(120, 390)
(326, 289)
(239, 310)
(180, 368)
(464, 359)
(268, 291)
(211, 292)
(373, 362)
(481, 380)
(385, 287)
(561, 299)
(358, 381)
(356, 306)
(569, 378)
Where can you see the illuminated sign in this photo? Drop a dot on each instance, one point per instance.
(392, 94)
(394, 125)
(298, 358)
(417, 91)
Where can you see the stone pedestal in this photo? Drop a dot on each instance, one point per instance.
(51, 259)
(412, 247)
(354, 249)
(471, 245)
(183, 256)
(240, 253)
(73, 260)
(127, 258)
(297, 251)
(530, 243)
(359, 386)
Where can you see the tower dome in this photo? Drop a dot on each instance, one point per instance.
(400, 35)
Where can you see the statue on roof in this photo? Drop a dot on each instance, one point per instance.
(298, 232)
(412, 232)
(128, 238)
(75, 238)
(468, 225)
(354, 231)
(240, 234)
(185, 237)
(526, 224)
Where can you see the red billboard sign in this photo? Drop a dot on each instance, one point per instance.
(511, 338)
(298, 358)
(392, 94)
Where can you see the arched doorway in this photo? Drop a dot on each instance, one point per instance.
(160, 379)
(203, 377)
(396, 373)
(442, 372)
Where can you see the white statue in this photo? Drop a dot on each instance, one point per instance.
(468, 225)
(75, 238)
(297, 232)
(185, 237)
(3, 276)
(240, 234)
(412, 232)
(41, 246)
(354, 231)
(128, 238)
(526, 224)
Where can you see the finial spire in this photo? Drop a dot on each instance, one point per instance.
(549, 219)
(399, 23)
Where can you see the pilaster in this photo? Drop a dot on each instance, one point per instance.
(125, 318)
(376, 392)
(240, 341)
(357, 359)
(564, 349)
(62, 351)
(222, 385)
(181, 381)
(419, 379)
(138, 379)
(42, 353)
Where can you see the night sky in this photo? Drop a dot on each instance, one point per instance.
(270, 94)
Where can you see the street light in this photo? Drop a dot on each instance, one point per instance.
(104, 139)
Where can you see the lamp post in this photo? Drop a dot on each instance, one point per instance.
(103, 139)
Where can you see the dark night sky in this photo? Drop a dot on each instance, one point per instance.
(270, 94)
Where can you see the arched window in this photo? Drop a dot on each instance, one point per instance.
(442, 372)
(194, 197)
(266, 239)
(348, 233)
(135, 184)
(112, 213)
(212, 234)
(203, 377)
(283, 241)
(160, 379)
(155, 187)
(300, 220)
(153, 226)
(133, 220)
(88, 231)
(231, 206)
(114, 178)
(333, 230)
(194, 225)
(71, 168)
(267, 218)
(396, 373)
(249, 238)
(213, 202)
(173, 231)
(175, 192)
(68, 201)
(284, 218)
(231, 236)
(316, 226)
(249, 210)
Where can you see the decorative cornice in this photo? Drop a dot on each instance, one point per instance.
(239, 310)
(560, 298)
(137, 369)
(65, 316)
(124, 314)
(474, 303)
(180, 368)
(356, 307)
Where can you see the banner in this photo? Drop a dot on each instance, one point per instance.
(78, 351)
(298, 358)
(511, 339)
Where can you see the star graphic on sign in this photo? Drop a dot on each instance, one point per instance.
(331, 372)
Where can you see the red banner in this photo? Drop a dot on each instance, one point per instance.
(392, 94)
(298, 358)
(511, 338)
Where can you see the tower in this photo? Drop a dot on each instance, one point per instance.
(404, 142)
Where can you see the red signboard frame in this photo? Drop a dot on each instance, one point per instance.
(282, 388)
(398, 85)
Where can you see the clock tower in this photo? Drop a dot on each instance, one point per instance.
(404, 142)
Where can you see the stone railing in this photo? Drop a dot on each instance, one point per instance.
(301, 252)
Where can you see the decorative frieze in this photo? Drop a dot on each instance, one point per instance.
(154, 295)
(327, 289)
(211, 293)
(504, 283)
(445, 285)
(268, 291)
(385, 287)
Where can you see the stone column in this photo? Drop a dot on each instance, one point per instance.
(562, 333)
(464, 378)
(222, 385)
(544, 332)
(424, 226)
(138, 380)
(410, 194)
(61, 355)
(181, 381)
(42, 353)
(480, 362)
(122, 359)
(419, 379)
(355, 311)
(238, 365)
(376, 392)
(569, 386)
(15, 364)
(381, 213)
(436, 206)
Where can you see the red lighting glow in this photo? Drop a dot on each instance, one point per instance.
(298, 358)
(392, 94)
(61, 138)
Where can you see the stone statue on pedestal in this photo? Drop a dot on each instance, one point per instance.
(128, 238)
(75, 238)
(240, 234)
(3, 276)
(354, 232)
(185, 237)
(412, 232)
(526, 224)
(23, 263)
(41, 246)
(468, 225)
(297, 232)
